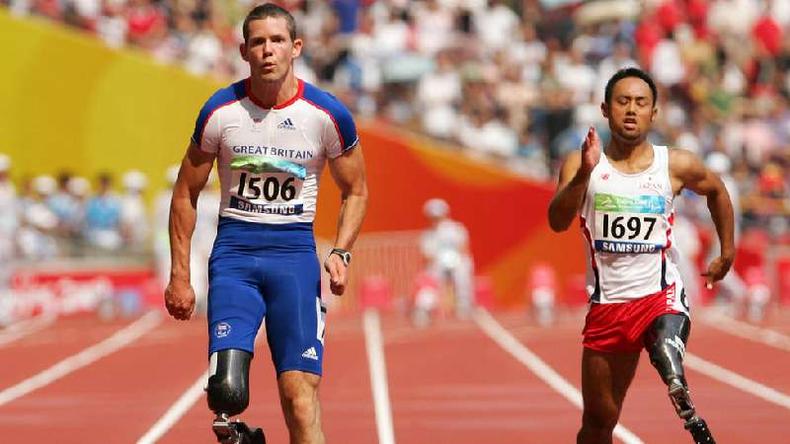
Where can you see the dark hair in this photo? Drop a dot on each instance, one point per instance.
(269, 10)
(630, 72)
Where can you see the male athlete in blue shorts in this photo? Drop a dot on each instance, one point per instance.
(271, 135)
(624, 194)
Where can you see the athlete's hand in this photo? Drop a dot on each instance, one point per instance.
(180, 299)
(338, 275)
(717, 269)
(591, 152)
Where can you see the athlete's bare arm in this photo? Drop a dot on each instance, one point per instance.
(687, 171)
(572, 185)
(194, 172)
(348, 170)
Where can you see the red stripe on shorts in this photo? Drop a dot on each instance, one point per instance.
(620, 328)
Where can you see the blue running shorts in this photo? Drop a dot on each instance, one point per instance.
(267, 271)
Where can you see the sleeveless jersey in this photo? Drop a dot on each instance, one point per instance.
(270, 159)
(627, 222)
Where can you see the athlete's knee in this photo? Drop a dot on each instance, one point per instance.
(299, 397)
(599, 422)
(666, 344)
(600, 415)
(228, 387)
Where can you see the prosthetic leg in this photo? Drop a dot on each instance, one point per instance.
(666, 344)
(228, 395)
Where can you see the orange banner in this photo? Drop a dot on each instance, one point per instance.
(504, 213)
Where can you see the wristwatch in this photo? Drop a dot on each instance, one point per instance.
(344, 254)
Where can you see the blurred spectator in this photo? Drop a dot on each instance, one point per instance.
(160, 226)
(445, 247)
(103, 217)
(35, 238)
(9, 220)
(133, 217)
(66, 208)
(438, 93)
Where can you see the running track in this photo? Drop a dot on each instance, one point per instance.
(490, 379)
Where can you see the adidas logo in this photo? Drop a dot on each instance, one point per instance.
(310, 354)
(286, 124)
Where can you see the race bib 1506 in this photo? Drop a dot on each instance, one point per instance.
(630, 224)
(267, 186)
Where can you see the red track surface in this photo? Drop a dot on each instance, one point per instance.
(448, 383)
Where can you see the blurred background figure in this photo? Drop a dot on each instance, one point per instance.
(103, 217)
(202, 240)
(542, 294)
(9, 220)
(79, 188)
(448, 263)
(134, 223)
(160, 226)
(36, 237)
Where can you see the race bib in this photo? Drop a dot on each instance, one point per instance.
(630, 224)
(264, 185)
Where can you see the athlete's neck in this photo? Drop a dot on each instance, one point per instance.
(617, 150)
(271, 94)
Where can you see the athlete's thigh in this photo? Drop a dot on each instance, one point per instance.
(235, 306)
(605, 380)
(295, 314)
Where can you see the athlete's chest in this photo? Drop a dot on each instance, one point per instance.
(285, 134)
(629, 214)
(649, 183)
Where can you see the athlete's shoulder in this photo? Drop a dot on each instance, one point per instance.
(325, 100)
(680, 159)
(685, 165)
(337, 112)
(224, 96)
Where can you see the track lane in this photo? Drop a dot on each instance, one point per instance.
(116, 398)
(346, 400)
(647, 410)
(449, 383)
(65, 337)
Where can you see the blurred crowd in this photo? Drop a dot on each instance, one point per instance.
(515, 83)
(48, 218)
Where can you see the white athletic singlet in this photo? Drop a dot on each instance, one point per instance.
(270, 160)
(627, 223)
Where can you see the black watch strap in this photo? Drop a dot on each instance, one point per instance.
(344, 254)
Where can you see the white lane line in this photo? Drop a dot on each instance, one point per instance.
(378, 376)
(733, 379)
(176, 411)
(120, 339)
(21, 329)
(524, 355)
(747, 331)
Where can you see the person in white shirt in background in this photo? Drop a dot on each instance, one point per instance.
(161, 217)
(9, 219)
(134, 220)
(445, 247)
(740, 296)
(202, 241)
(35, 240)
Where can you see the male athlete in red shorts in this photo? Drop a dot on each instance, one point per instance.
(624, 197)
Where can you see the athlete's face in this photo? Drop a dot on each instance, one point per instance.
(631, 110)
(269, 49)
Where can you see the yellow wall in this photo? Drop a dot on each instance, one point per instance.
(67, 101)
